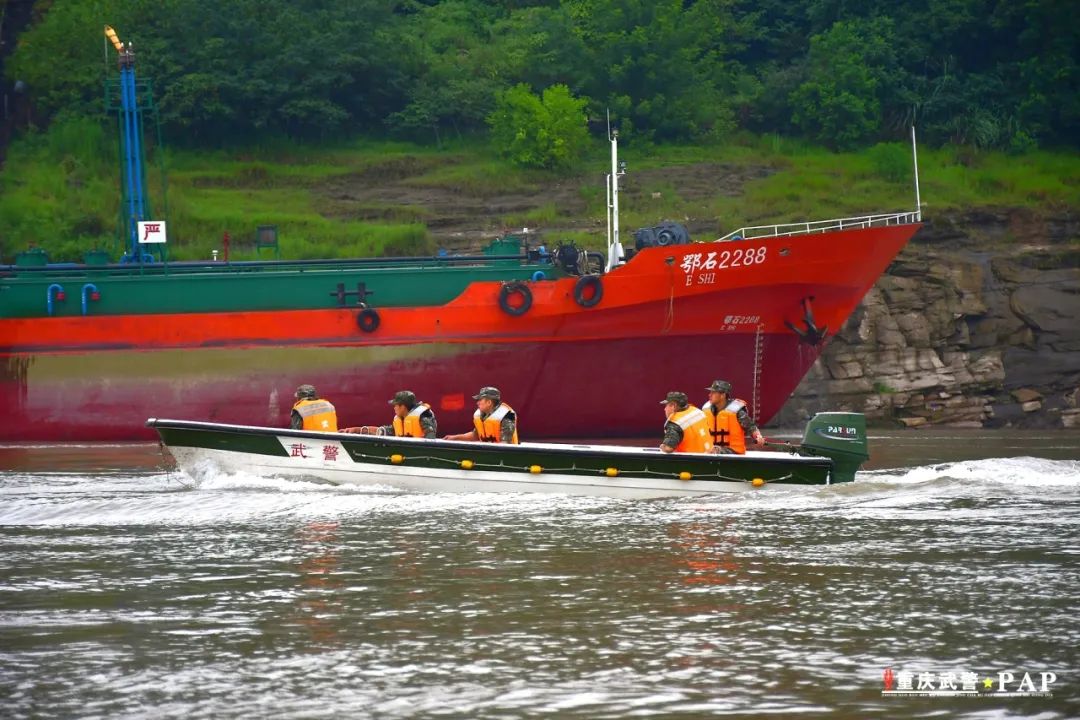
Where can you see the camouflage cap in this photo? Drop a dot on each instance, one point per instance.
(492, 393)
(306, 391)
(678, 398)
(404, 397)
(720, 386)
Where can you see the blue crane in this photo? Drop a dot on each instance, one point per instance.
(134, 207)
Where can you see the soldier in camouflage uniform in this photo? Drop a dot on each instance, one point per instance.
(673, 434)
(489, 403)
(312, 412)
(405, 404)
(720, 400)
(685, 429)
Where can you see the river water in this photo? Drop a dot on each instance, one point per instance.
(953, 561)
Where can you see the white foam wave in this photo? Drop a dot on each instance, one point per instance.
(15, 484)
(210, 478)
(215, 496)
(1035, 478)
(1017, 471)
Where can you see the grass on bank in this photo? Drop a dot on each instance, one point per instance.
(59, 190)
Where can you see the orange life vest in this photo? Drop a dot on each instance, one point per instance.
(695, 437)
(488, 428)
(410, 426)
(724, 426)
(317, 415)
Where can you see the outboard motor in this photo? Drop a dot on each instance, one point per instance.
(840, 436)
(662, 235)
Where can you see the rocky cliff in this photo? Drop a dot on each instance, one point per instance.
(976, 324)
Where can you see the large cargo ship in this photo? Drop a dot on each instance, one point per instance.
(89, 352)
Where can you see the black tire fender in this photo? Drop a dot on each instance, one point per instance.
(368, 320)
(515, 288)
(582, 288)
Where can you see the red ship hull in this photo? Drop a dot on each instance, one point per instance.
(672, 318)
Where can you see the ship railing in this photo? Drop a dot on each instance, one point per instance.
(203, 266)
(820, 226)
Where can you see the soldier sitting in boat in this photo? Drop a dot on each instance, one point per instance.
(729, 421)
(311, 412)
(411, 419)
(493, 421)
(685, 429)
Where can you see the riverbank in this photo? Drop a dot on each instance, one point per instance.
(59, 190)
(974, 325)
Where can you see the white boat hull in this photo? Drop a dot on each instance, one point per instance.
(200, 462)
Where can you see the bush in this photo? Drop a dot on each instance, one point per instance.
(848, 67)
(547, 132)
(892, 161)
(58, 190)
(1021, 143)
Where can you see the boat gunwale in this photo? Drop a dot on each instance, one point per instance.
(557, 449)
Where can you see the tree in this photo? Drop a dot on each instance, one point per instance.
(451, 83)
(661, 66)
(848, 68)
(60, 58)
(221, 71)
(540, 132)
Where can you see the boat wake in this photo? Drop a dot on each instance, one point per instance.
(1015, 472)
(209, 477)
(1001, 483)
(213, 496)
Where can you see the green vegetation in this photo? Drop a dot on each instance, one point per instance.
(540, 132)
(490, 114)
(60, 190)
(990, 74)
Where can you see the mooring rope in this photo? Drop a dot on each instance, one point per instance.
(573, 468)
